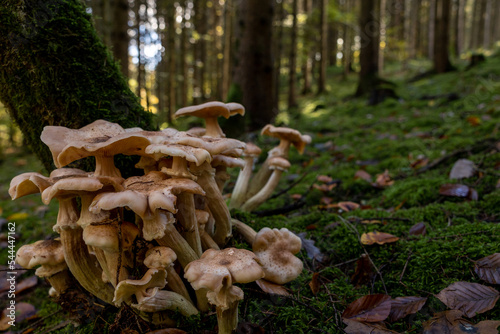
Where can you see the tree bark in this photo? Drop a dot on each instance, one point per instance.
(441, 32)
(460, 41)
(292, 101)
(56, 71)
(324, 46)
(253, 76)
(368, 58)
(226, 58)
(119, 35)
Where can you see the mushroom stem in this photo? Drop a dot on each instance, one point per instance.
(105, 166)
(61, 281)
(187, 217)
(180, 246)
(167, 300)
(83, 267)
(259, 180)
(244, 230)
(227, 319)
(109, 264)
(176, 284)
(215, 201)
(221, 177)
(207, 242)
(241, 186)
(264, 193)
(213, 128)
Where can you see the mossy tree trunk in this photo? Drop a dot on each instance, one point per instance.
(56, 71)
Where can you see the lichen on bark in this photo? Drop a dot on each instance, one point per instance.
(56, 71)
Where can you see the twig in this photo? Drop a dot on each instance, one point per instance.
(58, 326)
(32, 326)
(383, 218)
(404, 268)
(290, 186)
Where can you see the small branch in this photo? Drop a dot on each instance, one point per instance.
(290, 186)
(287, 208)
(404, 268)
(461, 235)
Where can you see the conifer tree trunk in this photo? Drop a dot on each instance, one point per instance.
(324, 46)
(56, 71)
(226, 58)
(441, 43)
(292, 102)
(278, 55)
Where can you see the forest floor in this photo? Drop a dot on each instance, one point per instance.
(393, 162)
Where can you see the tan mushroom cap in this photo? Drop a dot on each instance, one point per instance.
(147, 286)
(222, 160)
(197, 131)
(252, 150)
(213, 145)
(275, 250)
(22, 185)
(100, 138)
(235, 108)
(293, 136)
(48, 254)
(159, 257)
(191, 154)
(278, 163)
(106, 236)
(218, 267)
(202, 217)
(205, 110)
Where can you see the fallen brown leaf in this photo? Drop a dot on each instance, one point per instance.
(474, 120)
(454, 189)
(470, 298)
(324, 187)
(380, 238)
(383, 180)
(26, 284)
(451, 322)
(324, 178)
(357, 327)
(462, 169)
(272, 288)
(419, 163)
(348, 206)
(22, 312)
(403, 306)
(371, 221)
(363, 273)
(369, 308)
(361, 174)
(418, 229)
(488, 268)
(314, 284)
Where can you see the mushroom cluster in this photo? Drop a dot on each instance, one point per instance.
(170, 255)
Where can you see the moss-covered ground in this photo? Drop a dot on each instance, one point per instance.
(440, 118)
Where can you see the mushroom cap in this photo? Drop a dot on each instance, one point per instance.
(197, 131)
(100, 138)
(46, 253)
(216, 271)
(202, 217)
(205, 110)
(252, 150)
(147, 286)
(275, 250)
(159, 257)
(191, 154)
(293, 136)
(278, 163)
(218, 267)
(105, 236)
(213, 145)
(235, 108)
(222, 160)
(22, 185)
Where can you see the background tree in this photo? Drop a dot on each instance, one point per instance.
(49, 77)
(441, 32)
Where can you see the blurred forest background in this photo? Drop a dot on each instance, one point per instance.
(266, 53)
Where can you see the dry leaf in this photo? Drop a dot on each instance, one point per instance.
(369, 308)
(377, 237)
(383, 180)
(452, 322)
(18, 216)
(363, 273)
(23, 311)
(454, 189)
(361, 174)
(324, 178)
(371, 221)
(348, 206)
(296, 197)
(470, 298)
(462, 169)
(488, 268)
(26, 284)
(474, 120)
(324, 187)
(312, 251)
(419, 163)
(314, 284)
(418, 229)
(357, 327)
(403, 306)
(272, 288)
